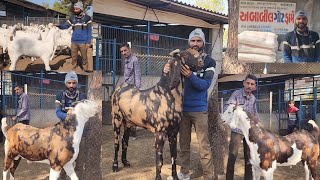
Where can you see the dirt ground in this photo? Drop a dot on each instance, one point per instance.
(141, 155)
(61, 63)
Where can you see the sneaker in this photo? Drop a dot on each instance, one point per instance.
(183, 176)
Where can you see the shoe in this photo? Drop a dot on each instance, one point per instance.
(183, 176)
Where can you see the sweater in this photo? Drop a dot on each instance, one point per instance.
(301, 48)
(82, 28)
(196, 87)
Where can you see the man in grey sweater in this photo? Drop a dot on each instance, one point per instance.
(23, 115)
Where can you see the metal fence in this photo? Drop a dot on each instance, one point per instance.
(10, 21)
(272, 105)
(151, 49)
(41, 89)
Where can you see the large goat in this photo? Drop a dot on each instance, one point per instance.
(33, 48)
(269, 150)
(57, 145)
(157, 109)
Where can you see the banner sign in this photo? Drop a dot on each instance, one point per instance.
(276, 17)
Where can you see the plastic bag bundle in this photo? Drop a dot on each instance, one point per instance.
(259, 47)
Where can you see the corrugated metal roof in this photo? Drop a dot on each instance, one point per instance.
(185, 9)
(197, 7)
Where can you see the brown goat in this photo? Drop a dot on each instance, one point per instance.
(57, 145)
(157, 109)
(269, 150)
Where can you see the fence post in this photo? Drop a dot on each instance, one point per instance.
(279, 109)
(114, 65)
(257, 94)
(3, 95)
(315, 103)
(148, 48)
(15, 101)
(270, 102)
(41, 88)
(97, 54)
(300, 112)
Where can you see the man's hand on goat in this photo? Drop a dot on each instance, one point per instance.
(185, 70)
(14, 118)
(166, 68)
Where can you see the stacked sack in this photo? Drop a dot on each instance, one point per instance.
(257, 47)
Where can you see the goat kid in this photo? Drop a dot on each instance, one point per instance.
(269, 150)
(33, 48)
(157, 109)
(57, 145)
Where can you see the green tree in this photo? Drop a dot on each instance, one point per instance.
(46, 5)
(65, 6)
(214, 5)
(61, 7)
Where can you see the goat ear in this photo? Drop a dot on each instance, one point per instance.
(175, 53)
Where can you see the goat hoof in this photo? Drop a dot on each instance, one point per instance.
(125, 163)
(115, 167)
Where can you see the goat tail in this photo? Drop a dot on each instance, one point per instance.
(4, 126)
(315, 130)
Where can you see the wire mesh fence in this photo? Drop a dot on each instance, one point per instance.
(152, 50)
(41, 89)
(10, 21)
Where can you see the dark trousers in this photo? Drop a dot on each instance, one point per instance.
(83, 51)
(291, 128)
(234, 146)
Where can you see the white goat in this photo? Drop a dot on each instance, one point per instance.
(33, 48)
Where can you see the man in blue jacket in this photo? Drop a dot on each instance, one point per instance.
(195, 109)
(301, 44)
(82, 33)
(65, 99)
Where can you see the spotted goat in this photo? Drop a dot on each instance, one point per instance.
(269, 150)
(157, 109)
(57, 146)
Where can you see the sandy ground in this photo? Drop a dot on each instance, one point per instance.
(61, 63)
(141, 155)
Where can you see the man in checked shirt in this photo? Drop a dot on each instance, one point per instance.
(132, 73)
(243, 97)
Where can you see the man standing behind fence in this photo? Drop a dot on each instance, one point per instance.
(132, 72)
(65, 99)
(81, 36)
(23, 115)
(243, 97)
